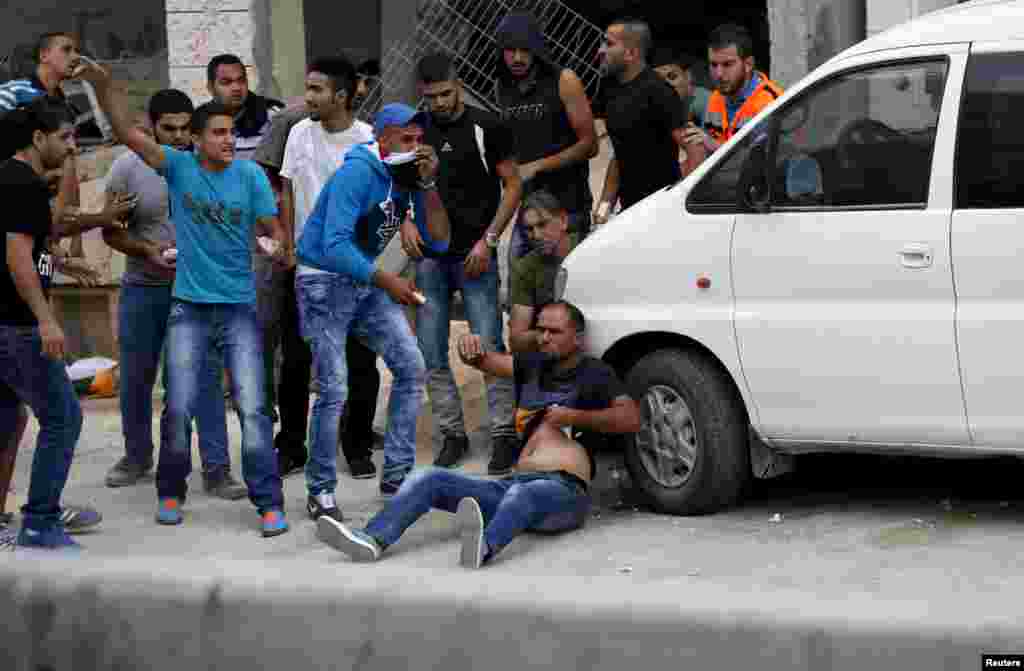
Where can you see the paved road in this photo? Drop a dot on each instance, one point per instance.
(899, 528)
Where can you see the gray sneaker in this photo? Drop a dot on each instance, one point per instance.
(358, 545)
(225, 487)
(126, 473)
(470, 520)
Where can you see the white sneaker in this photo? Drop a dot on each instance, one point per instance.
(359, 546)
(471, 529)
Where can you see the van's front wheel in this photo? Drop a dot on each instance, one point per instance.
(691, 454)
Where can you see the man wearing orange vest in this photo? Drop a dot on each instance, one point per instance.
(741, 92)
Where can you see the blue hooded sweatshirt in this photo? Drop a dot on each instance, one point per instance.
(355, 216)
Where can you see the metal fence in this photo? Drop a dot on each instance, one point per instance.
(465, 30)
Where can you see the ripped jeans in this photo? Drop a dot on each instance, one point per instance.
(330, 307)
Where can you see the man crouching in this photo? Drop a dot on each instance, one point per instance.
(557, 390)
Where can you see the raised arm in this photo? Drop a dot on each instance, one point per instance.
(113, 106)
(437, 215)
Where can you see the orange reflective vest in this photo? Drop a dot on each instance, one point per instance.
(716, 118)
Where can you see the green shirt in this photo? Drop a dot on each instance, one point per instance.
(533, 278)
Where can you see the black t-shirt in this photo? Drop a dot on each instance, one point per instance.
(641, 115)
(469, 187)
(591, 385)
(28, 211)
(536, 117)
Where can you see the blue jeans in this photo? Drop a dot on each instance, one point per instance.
(195, 331)
(546, 502)
(27, 376)
(142, 330)
(330, 307)
(439, 279)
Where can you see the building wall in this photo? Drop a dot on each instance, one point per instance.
(806, 33)
(198, 30)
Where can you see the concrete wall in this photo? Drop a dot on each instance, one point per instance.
(225, 615)
(288, 41)
(198, 30)
(806, 33)
(883, 14)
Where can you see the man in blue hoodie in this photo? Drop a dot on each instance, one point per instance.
(381, 185)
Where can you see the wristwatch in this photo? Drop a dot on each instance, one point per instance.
(491, 240)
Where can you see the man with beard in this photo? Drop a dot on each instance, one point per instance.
(356, 429)
(644, 118)
(146, 289)
(316, 148)
(547, 112)
(480, 187)
(55, 56)
(367, 79)
(559, 392)
(228, 84)
(546, 223)
(741, 92)
(358, 211)
(32, 344)
(217, 205)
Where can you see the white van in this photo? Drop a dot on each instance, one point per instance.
(846, 274)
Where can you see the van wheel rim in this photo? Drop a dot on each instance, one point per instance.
(667, 440)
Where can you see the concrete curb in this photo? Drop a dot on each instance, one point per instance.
(309, 615)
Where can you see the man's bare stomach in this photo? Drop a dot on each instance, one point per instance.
(550, 450)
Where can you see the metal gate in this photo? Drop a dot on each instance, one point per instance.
(464, 29)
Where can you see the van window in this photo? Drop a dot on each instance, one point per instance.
(990, 142)
(862, 139)
(717, 191)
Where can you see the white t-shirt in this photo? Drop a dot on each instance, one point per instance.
(311, 156)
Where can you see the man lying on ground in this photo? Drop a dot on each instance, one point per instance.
(557, 390)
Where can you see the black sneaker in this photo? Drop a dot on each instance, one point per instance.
(455, 448)
(323, 504)
(126, 473)
(223, 485)
(362, 469)
(504, 454)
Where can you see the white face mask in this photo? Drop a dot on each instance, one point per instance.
(399, 159)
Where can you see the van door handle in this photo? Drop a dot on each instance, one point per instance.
(916, 256)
